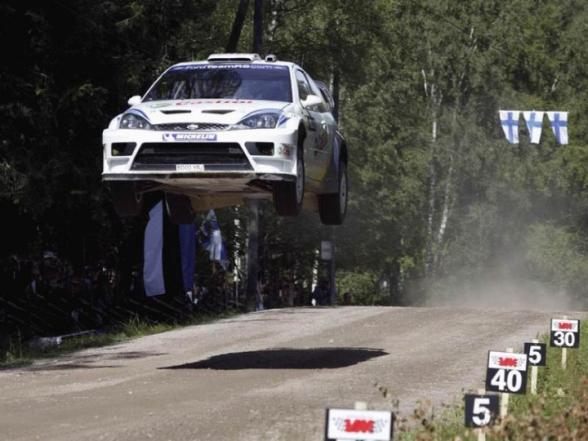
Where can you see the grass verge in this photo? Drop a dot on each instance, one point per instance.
(20, 353)
(559, 411)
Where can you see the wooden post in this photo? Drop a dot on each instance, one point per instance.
(332, 279)
(504, 397)
(252, 257)
(564, 353)
(360, 405)
(534, 375)
(481, 432)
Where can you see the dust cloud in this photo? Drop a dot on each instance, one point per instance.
(500, 291)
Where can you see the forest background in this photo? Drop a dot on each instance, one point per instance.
(442, 208)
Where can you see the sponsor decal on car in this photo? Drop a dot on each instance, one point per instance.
(191, 103)
(229, 66)
(175, 137)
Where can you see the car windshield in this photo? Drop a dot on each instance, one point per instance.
(234, 81)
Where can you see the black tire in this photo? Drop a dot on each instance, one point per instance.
(333, 206)
(288, 196)
(125, 198)
(179, 208)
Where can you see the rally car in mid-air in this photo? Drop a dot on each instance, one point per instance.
(214, 133)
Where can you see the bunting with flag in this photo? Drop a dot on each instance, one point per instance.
(509, 119)
(559, 125)
(534, 122)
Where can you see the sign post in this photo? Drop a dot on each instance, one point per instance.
(536, 356)
(328, 254)
(326, 250)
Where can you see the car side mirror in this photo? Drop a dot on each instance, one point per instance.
(311, 100)
(134, 100)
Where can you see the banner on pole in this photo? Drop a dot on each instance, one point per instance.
(153, 278)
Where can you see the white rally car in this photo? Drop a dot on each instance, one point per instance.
(213, 133)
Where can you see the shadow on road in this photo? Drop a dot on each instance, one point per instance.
(284, 358)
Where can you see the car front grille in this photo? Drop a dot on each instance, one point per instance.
(215, 156)
(191, 127)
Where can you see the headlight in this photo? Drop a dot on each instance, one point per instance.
(132, 121)
(261, 119)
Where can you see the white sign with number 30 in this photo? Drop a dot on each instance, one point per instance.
(565, 333)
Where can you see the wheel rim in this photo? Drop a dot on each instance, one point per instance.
(299, 180)
(343, 193)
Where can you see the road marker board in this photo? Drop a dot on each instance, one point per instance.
(354, 425)
(506, 372)
(564, 333)
(481, 410)
(536, 353)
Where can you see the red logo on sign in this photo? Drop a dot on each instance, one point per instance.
(507, 362)
(357, 426)
(565, 325)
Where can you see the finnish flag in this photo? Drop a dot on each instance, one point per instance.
(559, 125)
(510, 124)
(534, 125)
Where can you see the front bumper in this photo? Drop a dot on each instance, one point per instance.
(180, 156)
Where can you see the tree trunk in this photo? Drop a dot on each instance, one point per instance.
(258, 27)
(237, 26)
(273, 26)
(435, 97)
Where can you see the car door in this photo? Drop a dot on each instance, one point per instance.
(315, 130)
(328, 125)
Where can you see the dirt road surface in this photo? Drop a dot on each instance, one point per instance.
(261, 376)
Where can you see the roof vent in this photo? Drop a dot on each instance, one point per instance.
(234, 57)
(271, 58)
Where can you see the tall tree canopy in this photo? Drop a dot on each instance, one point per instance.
(438, 197)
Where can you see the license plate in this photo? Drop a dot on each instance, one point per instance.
(190, 167)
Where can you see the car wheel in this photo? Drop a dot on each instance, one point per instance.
(333, 206)
(288, 196)
(125, 198)
(179, 208)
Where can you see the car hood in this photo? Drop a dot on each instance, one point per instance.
(198, 111)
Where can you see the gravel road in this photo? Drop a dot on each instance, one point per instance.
(261, 376)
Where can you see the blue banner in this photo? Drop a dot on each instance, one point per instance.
(153, 253)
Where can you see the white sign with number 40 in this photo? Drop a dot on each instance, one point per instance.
(507, 372)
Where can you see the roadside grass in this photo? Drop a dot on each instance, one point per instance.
(559, 411)
(20, 353)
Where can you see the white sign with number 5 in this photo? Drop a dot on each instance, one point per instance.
(480, 410)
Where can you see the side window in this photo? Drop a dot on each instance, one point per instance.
(325, 94)
(303, 86)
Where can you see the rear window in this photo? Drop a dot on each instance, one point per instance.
(229, 81)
